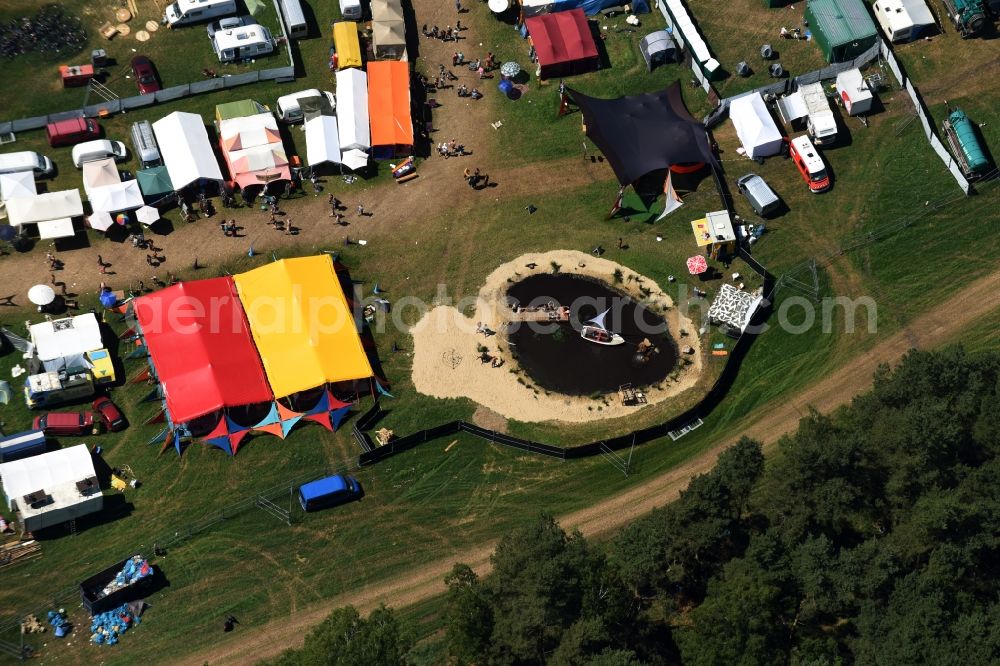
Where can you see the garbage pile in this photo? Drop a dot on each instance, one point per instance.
(135, 569)
(107, 628)
(59, 622)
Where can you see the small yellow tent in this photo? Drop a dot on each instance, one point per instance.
(345, 41)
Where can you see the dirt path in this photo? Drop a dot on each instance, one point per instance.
(943, 325)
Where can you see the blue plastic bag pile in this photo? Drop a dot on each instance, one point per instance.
(59, 622)
(135, 568)
(106, 628)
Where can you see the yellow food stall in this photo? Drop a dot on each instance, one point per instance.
(345, 41)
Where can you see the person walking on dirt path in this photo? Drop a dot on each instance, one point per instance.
(100, 260)
(53, 262)
(52, 276)
(288, 227)
(104, 269)
(458, 6)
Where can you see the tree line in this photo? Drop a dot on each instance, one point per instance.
(872, 536)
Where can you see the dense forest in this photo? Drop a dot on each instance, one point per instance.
(871, 536)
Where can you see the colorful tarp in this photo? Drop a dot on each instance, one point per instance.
(303, 327)
(389, 105)
(201, 347)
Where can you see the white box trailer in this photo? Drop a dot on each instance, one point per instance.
(854, 92)
(184, 12)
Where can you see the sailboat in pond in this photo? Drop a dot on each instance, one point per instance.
(595, 331)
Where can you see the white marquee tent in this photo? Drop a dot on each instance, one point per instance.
(117, 197)
(99, 173)
(17, 184)
(43, 207)
(352, 111)
(185, 148)
(63, 484)
(754, 126)
(322, 140)
(66, 337)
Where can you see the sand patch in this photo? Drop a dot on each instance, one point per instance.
(446, 360)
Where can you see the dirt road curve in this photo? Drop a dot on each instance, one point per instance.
(942, 326)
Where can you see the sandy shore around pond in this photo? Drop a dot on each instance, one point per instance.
(446, 362)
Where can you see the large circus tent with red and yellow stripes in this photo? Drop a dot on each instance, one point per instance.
(257, 352)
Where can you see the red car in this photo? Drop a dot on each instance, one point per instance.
(145, 75)
(112, 417)
(66, 423)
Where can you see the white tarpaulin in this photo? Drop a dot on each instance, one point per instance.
(322, 140)
(354, 159)
(60, 480)
(792, 107)
(352, 110)
(52, 229)
(17, 184)
(754, 126)
(114, 198)
(46, 206)
(671, 200)
(66, 337)
(185, 149)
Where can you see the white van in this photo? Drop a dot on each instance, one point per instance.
(26, 160)
(295, 18)
(144, 145)
(288, 109)
(184, 12)
(350, 9)
(88, 151)
(248, 41)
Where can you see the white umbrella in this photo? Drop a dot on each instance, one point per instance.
(101, 221)
(147, 214)
(41, 294)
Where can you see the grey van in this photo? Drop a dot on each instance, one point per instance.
(760, 195)
(144, 144)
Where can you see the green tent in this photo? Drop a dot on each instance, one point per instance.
(154, 183)
(238, 109)
(843, 29)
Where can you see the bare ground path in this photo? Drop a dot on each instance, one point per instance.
(945, 324)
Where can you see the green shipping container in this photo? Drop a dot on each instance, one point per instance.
(843, 29)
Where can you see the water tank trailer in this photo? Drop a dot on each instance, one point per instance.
(969, 16)
(965, 145)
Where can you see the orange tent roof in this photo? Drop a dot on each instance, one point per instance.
(389, 103)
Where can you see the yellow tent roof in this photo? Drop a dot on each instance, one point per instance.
(302, 325)
(345, 40)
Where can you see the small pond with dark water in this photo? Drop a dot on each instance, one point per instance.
(556, 358)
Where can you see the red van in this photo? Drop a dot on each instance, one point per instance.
(66, 423)
(809, 163)
(72, 130)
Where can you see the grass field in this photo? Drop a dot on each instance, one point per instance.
(758, 25)
(50, 96)
(430, 502)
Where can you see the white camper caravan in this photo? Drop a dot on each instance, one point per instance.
(185, 12)
(248, 41)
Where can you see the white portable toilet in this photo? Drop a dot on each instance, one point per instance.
(854, 92)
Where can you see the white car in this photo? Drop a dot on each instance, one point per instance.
(88, 151)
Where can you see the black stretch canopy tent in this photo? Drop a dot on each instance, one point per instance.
(643, 133)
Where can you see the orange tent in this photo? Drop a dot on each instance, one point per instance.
(389, 107)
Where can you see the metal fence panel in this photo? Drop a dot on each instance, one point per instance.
(893, 65)
(240, 79)
(23, 124)
(138, 101)
(173, 93)
(208, 85)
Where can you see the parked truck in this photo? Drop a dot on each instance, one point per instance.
(821, 123)
(965, 144)
(969, 16)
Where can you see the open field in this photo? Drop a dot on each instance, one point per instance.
(49, 95)
(449, 497)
